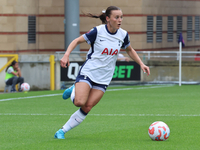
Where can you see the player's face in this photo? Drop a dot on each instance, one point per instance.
(15, 66)
(115, 20)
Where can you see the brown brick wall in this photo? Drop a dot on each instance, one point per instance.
(50, 27)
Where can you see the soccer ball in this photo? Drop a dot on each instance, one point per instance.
(25, 87)
(159, 131)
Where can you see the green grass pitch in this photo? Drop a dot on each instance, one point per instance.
(28, 121)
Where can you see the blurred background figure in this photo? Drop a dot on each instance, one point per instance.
(13, 76)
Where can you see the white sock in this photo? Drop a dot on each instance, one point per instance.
(74, 120)
(73, 95)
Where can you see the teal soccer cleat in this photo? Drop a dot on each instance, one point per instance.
(59, 134)
(67, 92)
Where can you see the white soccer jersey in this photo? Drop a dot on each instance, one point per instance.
(102, 55)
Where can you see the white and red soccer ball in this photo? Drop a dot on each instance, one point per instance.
(25, 87)
(159, 131)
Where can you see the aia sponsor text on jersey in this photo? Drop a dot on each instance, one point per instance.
(110, 52)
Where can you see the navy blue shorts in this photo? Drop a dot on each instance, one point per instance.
(93, 85)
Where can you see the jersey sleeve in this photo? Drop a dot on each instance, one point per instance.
(126, 42)
(90, 37)
(10, 70)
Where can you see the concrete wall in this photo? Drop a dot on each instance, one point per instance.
(36, 71)
(3, 61)
(37, 75)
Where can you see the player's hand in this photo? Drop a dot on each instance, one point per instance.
(127, 59)
(64, 61)
(145, 69)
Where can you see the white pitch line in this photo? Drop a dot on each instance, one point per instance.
(129, 115)
(17, 98)
(8, 99)
(151, 87)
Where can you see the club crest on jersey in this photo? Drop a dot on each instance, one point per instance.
(111, 52)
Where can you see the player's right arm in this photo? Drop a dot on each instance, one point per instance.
(65, 59)
(15, 73)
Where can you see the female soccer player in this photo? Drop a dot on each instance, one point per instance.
(106, 40)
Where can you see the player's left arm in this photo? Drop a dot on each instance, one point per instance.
(132, 53)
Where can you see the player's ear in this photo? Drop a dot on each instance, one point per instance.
(107, 18)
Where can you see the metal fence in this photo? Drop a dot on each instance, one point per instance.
(144, 55)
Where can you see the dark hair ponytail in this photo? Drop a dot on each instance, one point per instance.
(102, 17)
(104, 14)
(12, 64)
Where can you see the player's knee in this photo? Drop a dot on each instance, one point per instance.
(21, 79)
(79, 102)
(15, 77)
